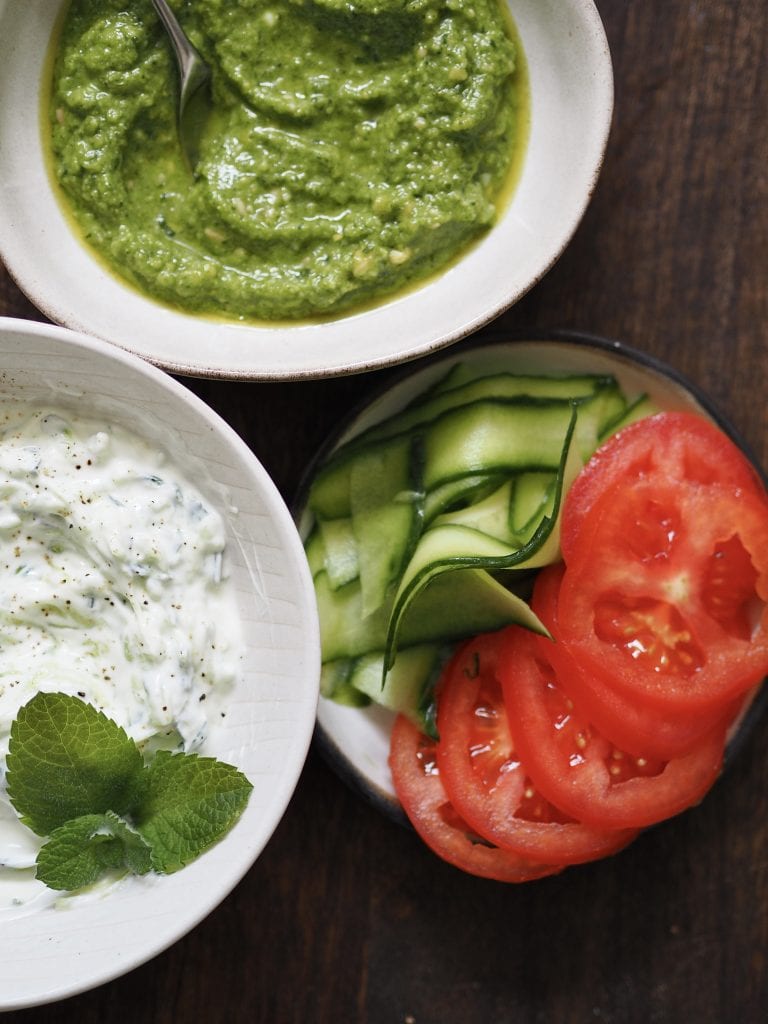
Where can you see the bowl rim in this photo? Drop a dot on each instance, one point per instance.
(231, 864)
(323, 741)
(338, 339)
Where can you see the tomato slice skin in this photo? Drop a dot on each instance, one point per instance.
(575, 767)
(637, 730)
(420, 790)
(677, 445)
(636, 606)
(483, 776)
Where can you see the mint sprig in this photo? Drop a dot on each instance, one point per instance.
(75, 776)
(79, 852)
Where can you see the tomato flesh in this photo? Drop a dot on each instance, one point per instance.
(638, 730)
(419, 787)
(486, 779)
(650, 631)
(576, 767)
(675, 445)
(729, 588)
(675, 617)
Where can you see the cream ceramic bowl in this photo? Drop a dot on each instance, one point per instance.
(49, 953)
(572, 100)
(355, 741)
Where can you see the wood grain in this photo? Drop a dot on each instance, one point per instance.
(346, 917)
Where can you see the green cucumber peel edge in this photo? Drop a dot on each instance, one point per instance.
(516, 559)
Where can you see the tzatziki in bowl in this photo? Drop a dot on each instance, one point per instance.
(151, 576)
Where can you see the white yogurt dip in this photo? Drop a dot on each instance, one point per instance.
(112, 588)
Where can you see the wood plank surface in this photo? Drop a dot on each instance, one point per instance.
(346, 917)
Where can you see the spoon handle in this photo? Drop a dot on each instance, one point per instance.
(193, 70)
(178, 38)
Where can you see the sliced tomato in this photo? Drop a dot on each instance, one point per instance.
(667, 600)
(678, 445)
(487, 782)
(572, 764)
(640, 730)
(419, 787)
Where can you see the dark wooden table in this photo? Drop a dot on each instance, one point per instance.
(346, 917)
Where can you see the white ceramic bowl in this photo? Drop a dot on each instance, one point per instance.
(572, 100)
(51, 954)
(355, 741)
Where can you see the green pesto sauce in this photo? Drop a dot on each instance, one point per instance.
(354, 147)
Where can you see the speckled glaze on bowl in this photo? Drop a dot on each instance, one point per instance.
(49, 954)
(571, 82)
(355, 741)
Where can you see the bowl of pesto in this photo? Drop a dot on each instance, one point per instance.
(375, 179)
(159, 667)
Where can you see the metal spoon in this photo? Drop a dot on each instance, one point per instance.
(194, 82)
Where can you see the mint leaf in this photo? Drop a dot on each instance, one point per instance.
(66, 760)
(188, 804)
(81, 850)
(74, 775)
